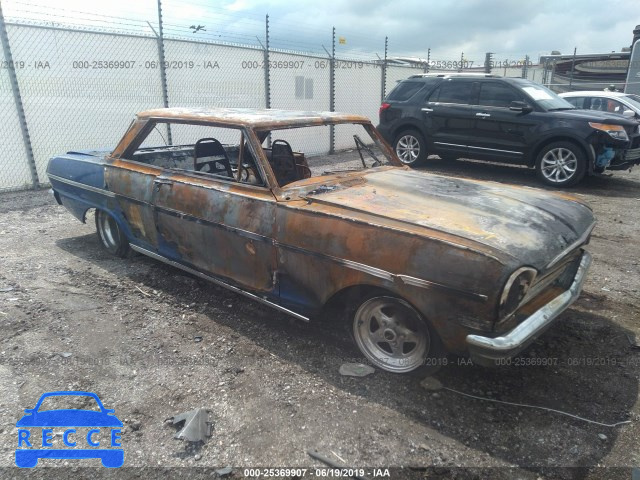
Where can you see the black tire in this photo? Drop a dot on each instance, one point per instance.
(561, 164)
(410, 148)
(110, 235)
(381, 326)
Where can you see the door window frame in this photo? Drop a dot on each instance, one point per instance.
(140, 130)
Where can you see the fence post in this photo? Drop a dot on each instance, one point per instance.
(15, 88)
(573, 64)
(332, 92)
(383, 90)
(553, 72)
(267, 73)
(546, 73)
(488, 62)
(525, 66)
(163, 72)
(426, 68)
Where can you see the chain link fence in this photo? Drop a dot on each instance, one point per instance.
(14, 168)
(72, 88)
(69, 100)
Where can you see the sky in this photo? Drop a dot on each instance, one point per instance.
(509, 28)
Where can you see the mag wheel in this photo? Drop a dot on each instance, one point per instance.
(393, 335)
(110, 234)
(561, 164)
(410, 148)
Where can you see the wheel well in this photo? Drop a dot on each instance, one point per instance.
(349, 298)
(404, 128)
(84, 215)
(538, 149)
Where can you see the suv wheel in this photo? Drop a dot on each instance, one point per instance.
(561, 164)
(410, 148)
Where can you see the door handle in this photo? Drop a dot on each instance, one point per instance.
(160, 181)
(427, 110)
(483, 115)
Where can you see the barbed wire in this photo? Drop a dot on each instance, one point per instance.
(286, 35)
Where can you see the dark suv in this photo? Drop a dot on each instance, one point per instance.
(510, 120)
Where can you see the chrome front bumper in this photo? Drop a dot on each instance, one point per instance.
(486, 350)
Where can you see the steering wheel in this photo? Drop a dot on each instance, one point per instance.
(249, 175)
(211, 167)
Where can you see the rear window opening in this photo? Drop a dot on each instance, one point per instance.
(405, 90)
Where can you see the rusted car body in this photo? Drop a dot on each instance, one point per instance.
(426, 261)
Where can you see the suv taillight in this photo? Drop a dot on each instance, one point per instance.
(383, 107)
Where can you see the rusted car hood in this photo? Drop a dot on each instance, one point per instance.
(529, 225)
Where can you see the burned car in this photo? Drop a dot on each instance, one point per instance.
(423, 263)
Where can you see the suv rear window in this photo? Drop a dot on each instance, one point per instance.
(453, 92)
(405, 90)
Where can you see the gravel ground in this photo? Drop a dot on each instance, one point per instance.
(153, 342)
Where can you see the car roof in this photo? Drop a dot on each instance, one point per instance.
(251, 117)
(426, 77)
(593, 93)
(455, 75)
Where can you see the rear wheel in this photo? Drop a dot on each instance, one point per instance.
(110, 234)
(410, 148)
(561, 164)
(394, 337)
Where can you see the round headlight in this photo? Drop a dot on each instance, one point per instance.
(515, 290)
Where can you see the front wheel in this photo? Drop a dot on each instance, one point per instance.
(110, 235)
(410, 148)
(394, 337)
(561, 164)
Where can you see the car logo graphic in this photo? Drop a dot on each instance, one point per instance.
(32, 446)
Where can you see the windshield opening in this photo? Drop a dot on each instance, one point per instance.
(303, 153)
(545, 98)
(634, 100)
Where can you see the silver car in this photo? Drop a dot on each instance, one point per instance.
(625, 104)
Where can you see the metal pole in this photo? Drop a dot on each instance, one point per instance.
(573, 63)
(332, 92)
(267, 73)
(15, 88)
(163, 72)
(525, 66)
(488, 60)
(428, 60)
(384, 70)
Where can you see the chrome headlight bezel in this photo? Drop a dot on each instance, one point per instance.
(515, 290)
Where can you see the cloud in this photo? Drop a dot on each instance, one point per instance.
(509, 28)
(449, 28)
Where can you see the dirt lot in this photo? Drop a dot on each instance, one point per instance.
(153, 342)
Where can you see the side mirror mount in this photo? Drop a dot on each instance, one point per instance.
(518, 106)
